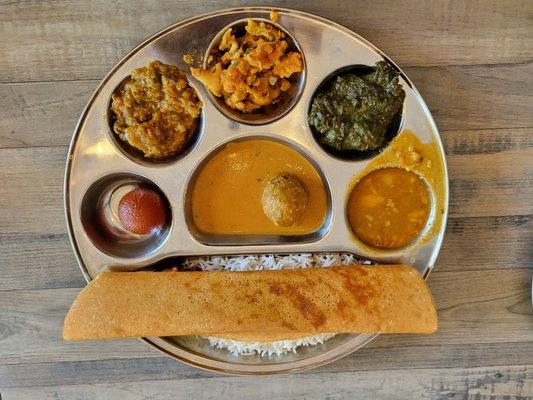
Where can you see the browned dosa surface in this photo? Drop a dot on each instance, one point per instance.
(254, 305)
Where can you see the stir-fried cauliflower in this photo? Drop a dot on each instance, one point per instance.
(253, 70)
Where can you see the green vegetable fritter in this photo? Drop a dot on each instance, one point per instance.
(354, 112)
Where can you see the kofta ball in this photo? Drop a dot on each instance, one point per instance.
(285, 198)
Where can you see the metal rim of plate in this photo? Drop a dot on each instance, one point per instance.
(94, 154)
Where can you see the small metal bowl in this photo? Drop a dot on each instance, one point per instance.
(134, 154)
(100, 221)
(284, 103)
(408, 247)
(394, 128)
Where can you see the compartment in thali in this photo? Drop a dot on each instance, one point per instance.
(347, 127)
(154, 115)
(258, 189)
(389, 209)
(266, 113)
(395, 205)
(126, 215)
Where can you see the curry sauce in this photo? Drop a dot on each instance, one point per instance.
(417, 159)
(389, 208)
(227, 193)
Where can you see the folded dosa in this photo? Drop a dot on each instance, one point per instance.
(258, 305)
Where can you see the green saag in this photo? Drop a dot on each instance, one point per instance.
(354, 112)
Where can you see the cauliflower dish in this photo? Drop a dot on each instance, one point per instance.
(251, 70)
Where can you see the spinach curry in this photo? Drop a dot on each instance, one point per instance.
(354, 112)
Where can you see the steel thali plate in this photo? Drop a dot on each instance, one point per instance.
(94, 156)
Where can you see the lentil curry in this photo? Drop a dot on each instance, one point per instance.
(388, 208)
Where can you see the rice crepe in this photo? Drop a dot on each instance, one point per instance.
(256, 305)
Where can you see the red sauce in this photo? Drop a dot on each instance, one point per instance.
(142, 211)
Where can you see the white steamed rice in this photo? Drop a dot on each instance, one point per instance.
(269, 261)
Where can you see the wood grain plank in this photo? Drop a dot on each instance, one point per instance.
(31, 320)
(506, 243)
(33, 200)
(165, 368)
(497, 382)
(461, 98)
(486, 141)
(491, 184)
(59, 40)
(56, 105)
(477, 97)
(39, 262)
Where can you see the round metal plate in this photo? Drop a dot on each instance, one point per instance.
(94, 155)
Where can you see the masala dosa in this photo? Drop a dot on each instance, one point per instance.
(253, 305)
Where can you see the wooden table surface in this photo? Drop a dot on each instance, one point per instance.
(472, 63)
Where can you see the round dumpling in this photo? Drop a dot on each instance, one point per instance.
(285, 199)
